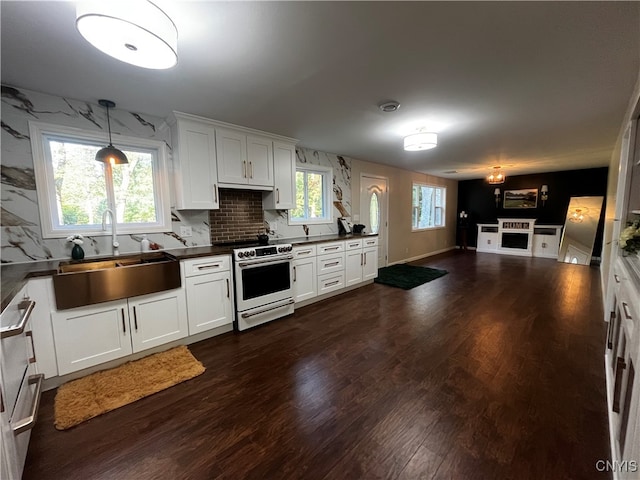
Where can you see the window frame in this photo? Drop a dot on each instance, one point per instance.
(40, 133)
(327, 196)
(442, 207)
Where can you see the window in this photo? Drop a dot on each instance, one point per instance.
(428, 205)
(74, 190)
(313, 195)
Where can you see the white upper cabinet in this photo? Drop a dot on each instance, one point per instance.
(283, 196)
(245, 160)
(194, 164)
(209, 154)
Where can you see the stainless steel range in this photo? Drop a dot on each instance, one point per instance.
(263, 283)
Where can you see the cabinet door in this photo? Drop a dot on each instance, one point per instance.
(370, 263)
(260, 161)
(157, 319)
(209, 303)
(231, 153)
(304, 279)
(283, 196)
(196, 174)
(88, 336)
(353, 271)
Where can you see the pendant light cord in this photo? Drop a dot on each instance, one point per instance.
(109, 126)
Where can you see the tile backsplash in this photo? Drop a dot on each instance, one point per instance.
(240, 216)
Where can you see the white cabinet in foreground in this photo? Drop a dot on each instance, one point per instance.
(209, 293)
(305, 282)
(91, 335)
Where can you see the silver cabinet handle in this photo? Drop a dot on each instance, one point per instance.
(625, 307)
(361, 259)
(124, 327)
(135, 318)
(33, 348)
(353, 244)
(277, 195)
(331, 264)
(294, 274)
(215, 192)
(365, 258)
(250, 170)
(27, 306)
(208, 266)
(28, 423)
(228, 291)
(332, 283)
(326, 249)
(303, 252)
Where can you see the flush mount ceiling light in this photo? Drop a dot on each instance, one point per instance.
(420, 141)
(496, 177)
(110, 154)
(390, 106)
(135, 32)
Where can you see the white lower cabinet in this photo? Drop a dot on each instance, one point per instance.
(370, 263)
(88, 336)
(354, 260)
(305, 281)
(330, 282)
(209, 287)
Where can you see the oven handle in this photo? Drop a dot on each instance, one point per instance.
(259, 262)
(252, 314)
(28, 306)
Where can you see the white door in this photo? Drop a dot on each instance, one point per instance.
(209, 301)
(260, 158)
(231, 153)
(374, 209)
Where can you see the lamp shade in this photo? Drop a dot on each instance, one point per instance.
(135, 32)
(111, 155)
(420, 141)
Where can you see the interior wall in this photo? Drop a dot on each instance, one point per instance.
(476, 197)
(404, 244)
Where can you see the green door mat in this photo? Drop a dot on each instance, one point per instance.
(407, 276)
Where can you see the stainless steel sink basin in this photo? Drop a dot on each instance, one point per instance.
(93, 281)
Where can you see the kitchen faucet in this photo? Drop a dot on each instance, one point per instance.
(114, 242)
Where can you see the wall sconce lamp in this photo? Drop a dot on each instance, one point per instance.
(544, 193)
(496, 192)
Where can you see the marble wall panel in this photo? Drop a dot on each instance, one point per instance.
(21, 235)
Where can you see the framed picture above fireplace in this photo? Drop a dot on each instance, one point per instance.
(526, 198)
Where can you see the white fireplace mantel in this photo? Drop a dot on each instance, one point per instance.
(515, 236)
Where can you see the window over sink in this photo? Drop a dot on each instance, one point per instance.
(74, 189)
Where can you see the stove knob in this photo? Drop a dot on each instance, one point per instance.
(252, 253)
(240, 254)
(280, 249)
(289, 248)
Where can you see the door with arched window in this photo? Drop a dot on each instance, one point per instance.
(374, 211)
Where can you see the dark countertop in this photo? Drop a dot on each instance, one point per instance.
(14, 276)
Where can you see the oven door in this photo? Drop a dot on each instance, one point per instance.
(262, 281)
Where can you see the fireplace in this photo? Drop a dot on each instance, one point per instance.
(515, 236)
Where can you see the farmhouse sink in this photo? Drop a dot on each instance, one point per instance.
(77, 284)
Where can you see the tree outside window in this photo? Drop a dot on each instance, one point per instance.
(428, 206)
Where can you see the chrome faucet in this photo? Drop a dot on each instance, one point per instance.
(114, 241)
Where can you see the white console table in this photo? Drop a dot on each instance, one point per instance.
(523, 238)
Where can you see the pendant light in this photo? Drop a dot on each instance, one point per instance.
(110, 154)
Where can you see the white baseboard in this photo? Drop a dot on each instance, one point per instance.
(419, 257)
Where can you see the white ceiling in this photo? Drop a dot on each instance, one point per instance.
(531, 86)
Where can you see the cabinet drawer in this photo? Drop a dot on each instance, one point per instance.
(370, 242)
(353, 244)
(333, 247)
(330, 282)
(330, 263)
(304, 251)
(204, 265)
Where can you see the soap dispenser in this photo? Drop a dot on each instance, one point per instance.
(144, 244)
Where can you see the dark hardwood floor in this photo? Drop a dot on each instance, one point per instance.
(494, 371)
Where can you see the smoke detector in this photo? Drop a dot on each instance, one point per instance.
(390, 106)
